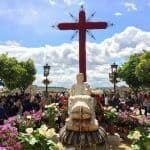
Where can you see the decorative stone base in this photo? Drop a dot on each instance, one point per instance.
(84, 140)
(93, 147)
(83, 125)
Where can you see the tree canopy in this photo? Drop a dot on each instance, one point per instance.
(16, 74)
(136, 71)
(143, 69)
(127, 72)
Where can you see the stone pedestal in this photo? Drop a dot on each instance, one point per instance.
(83, 140)
(81, 130)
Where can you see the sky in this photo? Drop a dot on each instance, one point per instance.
(26, 32)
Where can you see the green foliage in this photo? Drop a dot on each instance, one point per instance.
(140, 139)
(127, 72)
(39, 139)
(143, 69)
(29, 76)
(136, 71)
(51, 111)
(110, 115)
(16, 74)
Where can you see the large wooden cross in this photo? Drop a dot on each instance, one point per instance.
(82, 25)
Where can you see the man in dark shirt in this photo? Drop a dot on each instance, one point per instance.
(27, 106)
(16, 107)
(2, 114)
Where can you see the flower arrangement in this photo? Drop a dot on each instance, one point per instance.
(9, 138)
(140, 139)
(123, 122)
(110, 115)
(27, 132)
(29, 119)
(50, 114)
(40, 138)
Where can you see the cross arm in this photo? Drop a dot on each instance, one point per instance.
(68, 26)
(96, 25)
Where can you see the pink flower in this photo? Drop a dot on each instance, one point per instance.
(3, 148)
(37, 116)
(141, 122)
(9, 137)
(18, 146)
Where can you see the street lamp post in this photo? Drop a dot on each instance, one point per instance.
(46, 73)
(114, 75)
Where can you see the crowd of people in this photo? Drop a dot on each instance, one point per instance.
(17, 104)
(141, 102)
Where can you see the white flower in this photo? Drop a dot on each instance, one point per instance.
(148, 136)
(43, 114)
(46, 106)
(29, 130)
(135, 135)
(33, 141)
(50, 133)
(50, 106)
(113, 110)
(57, 104)
(43, 130)
(56, 109)
(44, 127)
(60, 146)
(29, 117)
(135, 146)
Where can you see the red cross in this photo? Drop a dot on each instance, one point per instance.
(82, 25)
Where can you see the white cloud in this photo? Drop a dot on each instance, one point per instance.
(64, 58)
(71, 2)
(118, 14)
(130, 6)
(52, 2)
(12, 43)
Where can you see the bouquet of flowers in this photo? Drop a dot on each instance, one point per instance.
(40, 138)
(140, 139)
(110, 115)
(29, 119)
(50, 114)
(9, 138)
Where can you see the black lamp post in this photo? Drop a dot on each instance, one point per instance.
(114, 75)
(46, 73)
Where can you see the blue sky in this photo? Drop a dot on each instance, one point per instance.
(25, 31)
(28, 21)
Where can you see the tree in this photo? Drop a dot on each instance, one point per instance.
(143, 69)
(127, 72)
(16, 74)
(29, 76)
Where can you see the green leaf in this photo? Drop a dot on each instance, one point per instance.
(33, 141)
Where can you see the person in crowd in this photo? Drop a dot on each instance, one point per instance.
(115, 101)
(130, 101)
(35, 103)
(106, 100)
(17, 108)
(3, 115)
(27, 106)
(146, 103)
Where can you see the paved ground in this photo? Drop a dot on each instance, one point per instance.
(124, 146)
